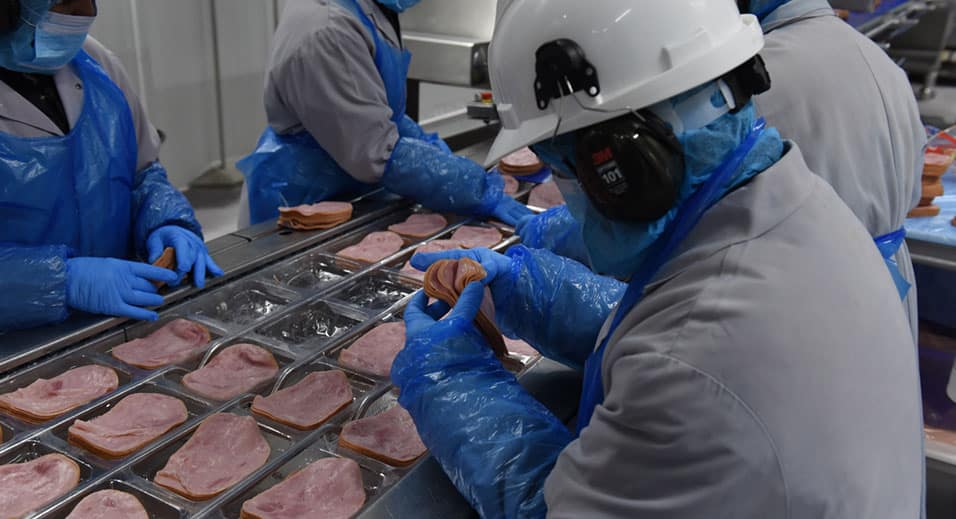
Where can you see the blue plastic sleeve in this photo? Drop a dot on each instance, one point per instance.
(157, 203)
(440, 181)
(555, 230)
(555, 304)
(34, 285)
(495, 442)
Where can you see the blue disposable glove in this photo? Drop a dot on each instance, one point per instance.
(191, 253)
(495, 442)
(409, 128)
(114, 287)
(441, 181)
(511, 211)
(555, 230)
(555, 304)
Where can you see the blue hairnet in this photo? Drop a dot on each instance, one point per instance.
(17, 46)
(762, 8)
(705, 149)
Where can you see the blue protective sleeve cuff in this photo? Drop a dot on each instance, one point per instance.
(34, 285)
(555, 230)
(494, 440)
(157, 203)
(555, 304)
(441, 181)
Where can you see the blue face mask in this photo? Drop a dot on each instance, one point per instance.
(398, 5)
(57, 40)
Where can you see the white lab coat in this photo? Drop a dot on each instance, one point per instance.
(21, 118)
(852, 111)
(768, 373)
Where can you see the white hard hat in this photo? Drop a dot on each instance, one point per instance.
(641, 52)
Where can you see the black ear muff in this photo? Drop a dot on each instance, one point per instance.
(9, 16)
(743, 6)
(631, 167)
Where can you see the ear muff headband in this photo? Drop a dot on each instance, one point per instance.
(630, 167)
(9, 16)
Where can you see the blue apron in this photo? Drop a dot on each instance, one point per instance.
(889, 245)
(74, 190)
(592, 394)
(295, 169)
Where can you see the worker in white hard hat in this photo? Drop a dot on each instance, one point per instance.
(735, 374)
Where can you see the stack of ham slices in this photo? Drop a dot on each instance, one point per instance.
(25, 487)
(224, 450)
(234, 371)
(327, 488)
(315, 217)
(390, 437)
(374, 352)
(420, 226)
(520, 163)
(109, 504)
(309, 403)
(374, 248)
(176, 341)
(46, 399)
(130, 425)
(446, 279)
(167, 260)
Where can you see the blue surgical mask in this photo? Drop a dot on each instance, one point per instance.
(398, 5)
(57, 40)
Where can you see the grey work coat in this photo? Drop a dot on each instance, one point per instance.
(21, 118)
(768, 373)
(853, 113)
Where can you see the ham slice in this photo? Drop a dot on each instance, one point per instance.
(390, 437)
(446, 279)
(25, 487)
(432, 246)
(325, 489)
(224, 450)
(511, 186)
(374, 248)
(374, 352)
(167, 260)
(519, 347)
(176, 341)
(315, 217)
(46, 399)
(109, 504)
(234, 371)
(419, 226)
(309, 403)
(521, 162)
(131, 424)
(473, 237)
(546, 196)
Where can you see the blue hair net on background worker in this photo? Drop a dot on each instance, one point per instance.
(724, 380)
(81, 188)
(337, 120)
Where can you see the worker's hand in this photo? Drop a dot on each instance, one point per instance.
(422, 319)
(114, 287)
(496, 265)
(191, 253)
(511, 211)
(555, 230)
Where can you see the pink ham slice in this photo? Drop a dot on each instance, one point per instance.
(175, 342)
(472, 237)
(325, 489)
(420, 225)
(25, 487)
(235, 370)
(131, 424)
(545, 196)
(374, 352)
(511, 185)
(109, 504)
(432, 246)
(519, 347)
(309, 403)
(374, 247)
(390, 437)
(224, 450)
(46, 399)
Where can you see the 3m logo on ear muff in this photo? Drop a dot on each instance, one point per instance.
(609, 171)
